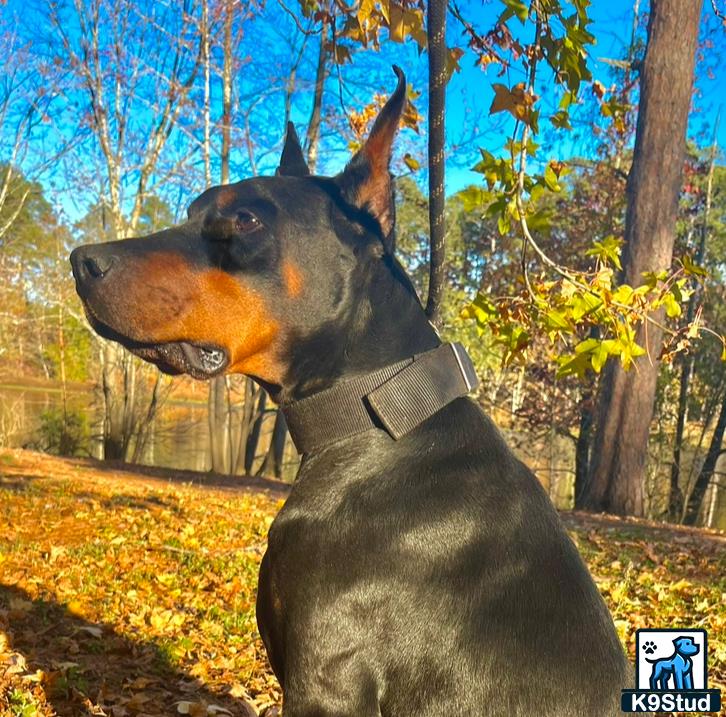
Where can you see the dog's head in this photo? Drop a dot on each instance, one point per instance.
(685, 646)
(255, 263)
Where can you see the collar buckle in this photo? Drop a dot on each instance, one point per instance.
(396, 398)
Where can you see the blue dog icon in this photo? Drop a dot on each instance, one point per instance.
(679, 666)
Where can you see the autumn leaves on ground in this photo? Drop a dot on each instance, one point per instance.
(129, 593)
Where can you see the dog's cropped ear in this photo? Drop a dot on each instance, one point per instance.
(292, 160)
(366, 181)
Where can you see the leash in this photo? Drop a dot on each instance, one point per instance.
(436, 33)
(396, 399)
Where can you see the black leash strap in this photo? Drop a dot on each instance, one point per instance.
(436, 33)
(396, 399)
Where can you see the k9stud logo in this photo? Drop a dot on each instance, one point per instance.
(670, 673)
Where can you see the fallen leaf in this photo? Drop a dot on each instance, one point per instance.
(93, 630)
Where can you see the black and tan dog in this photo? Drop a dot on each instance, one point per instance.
(417, 567)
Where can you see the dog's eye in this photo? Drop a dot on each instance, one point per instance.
(246, 222)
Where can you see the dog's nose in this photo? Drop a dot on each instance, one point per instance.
(97, 267)
(91, 263)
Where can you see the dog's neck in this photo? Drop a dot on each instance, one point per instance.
(382, 324)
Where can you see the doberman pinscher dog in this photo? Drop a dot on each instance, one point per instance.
(417, 567)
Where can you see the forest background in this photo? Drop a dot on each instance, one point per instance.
(115, 114)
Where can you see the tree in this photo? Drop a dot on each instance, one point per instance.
(27, 251)
(626, 400)
(695, 500)
(132, 73)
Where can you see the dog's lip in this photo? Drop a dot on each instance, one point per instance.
(205, 358)
(198, 359)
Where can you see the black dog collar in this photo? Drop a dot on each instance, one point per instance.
(396, 398)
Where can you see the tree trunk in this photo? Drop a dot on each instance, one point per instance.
(626, 399)
(227, 92)
(582, 447)
(129, 404)
(313, 134)
(145, 427)
(217, 400)
(206, 145)
(245, 428)
(693, 507)
(675, 499)
(272, 465)
(112, 424)
(254, 437)
(217, 419)
(675, 496)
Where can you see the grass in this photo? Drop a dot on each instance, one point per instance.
(124, 595)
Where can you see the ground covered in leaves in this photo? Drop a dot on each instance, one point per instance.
(128, 593)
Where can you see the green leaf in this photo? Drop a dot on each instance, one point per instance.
(584, 304)
(652, 278)
(473, 198)
(568, 98)
(623, 294)
(573, 365)
(598, 358)
(497, 207)
(561, 119)
(607, 250)
(504, 224)
(539, 222)
(625, 346)
(482, 310)
(690, 267)
(554, 319)
(551, 179)
(518, 8)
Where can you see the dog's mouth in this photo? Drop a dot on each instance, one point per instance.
(196, 359)
(199, 361)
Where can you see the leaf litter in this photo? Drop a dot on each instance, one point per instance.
(126, 595)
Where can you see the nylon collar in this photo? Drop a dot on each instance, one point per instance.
(396, 399)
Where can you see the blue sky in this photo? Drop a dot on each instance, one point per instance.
(469, 94)
(612, 23)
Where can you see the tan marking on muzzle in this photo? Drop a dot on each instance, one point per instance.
(164, 299)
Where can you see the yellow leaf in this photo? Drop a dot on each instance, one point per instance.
(517, 101)
(365, 9)
(411, 163)
(37, 676)
(623, 628)
(681, 586)
(165, 618)
(396, 29)
(672, 307)
(75, 607)
(619, 592)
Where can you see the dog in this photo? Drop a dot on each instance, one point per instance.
(679, 666)
(417, 567)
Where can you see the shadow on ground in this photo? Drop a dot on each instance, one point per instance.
(90, 669)
(36, 466)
